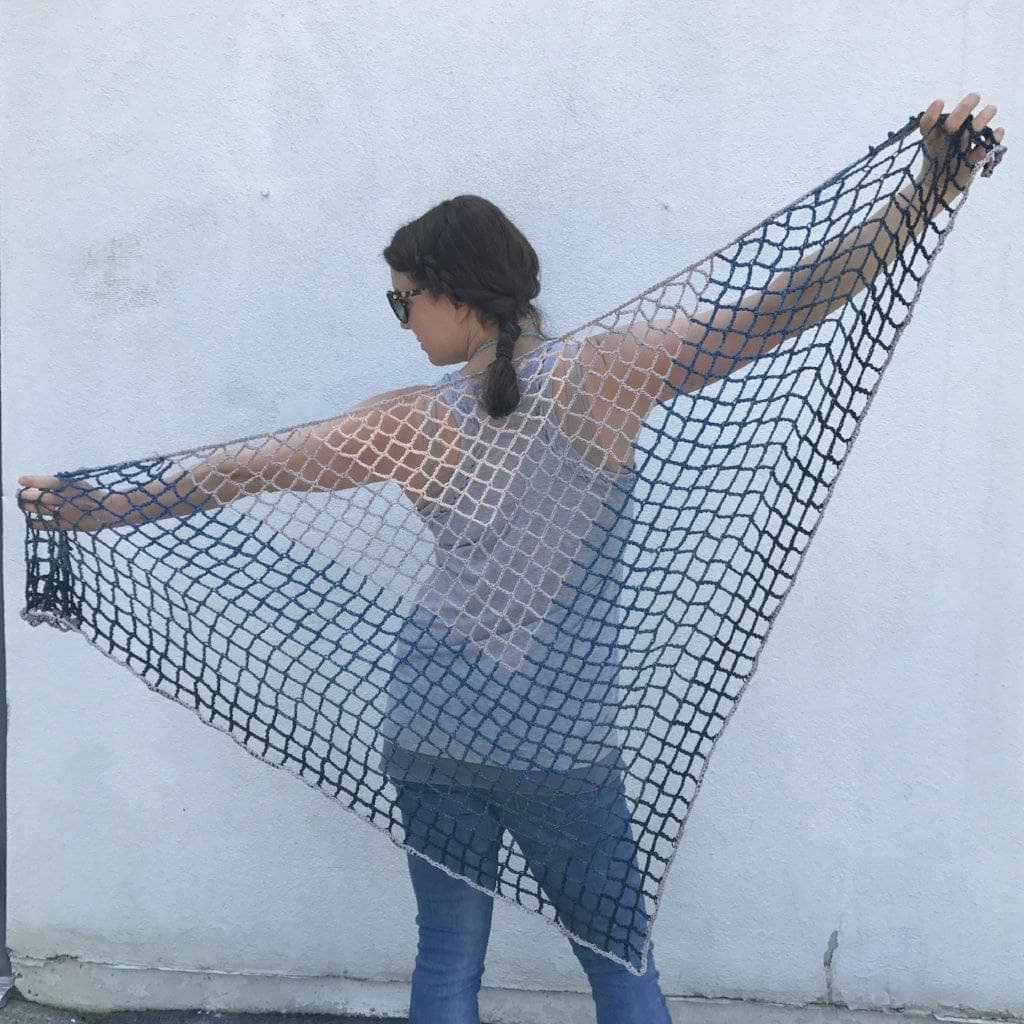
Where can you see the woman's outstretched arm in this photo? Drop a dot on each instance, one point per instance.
(655, 361)
(384, 438)
(831, 275)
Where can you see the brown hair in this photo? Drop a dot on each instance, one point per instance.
(468, 250)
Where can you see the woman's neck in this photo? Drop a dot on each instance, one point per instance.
(486, 352)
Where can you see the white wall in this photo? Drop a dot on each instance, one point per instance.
(195, 197)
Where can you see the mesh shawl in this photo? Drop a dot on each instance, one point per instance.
(512, 644)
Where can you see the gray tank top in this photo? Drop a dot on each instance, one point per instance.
(510, 658)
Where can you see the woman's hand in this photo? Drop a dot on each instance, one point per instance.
(937, 136)
(70, 505)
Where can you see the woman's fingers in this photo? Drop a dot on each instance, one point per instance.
(37, 491)
(956, 117)
(39, 481)
(37, 498)
(959, 113)
(45, 498)
(936, 138)
(931, 116)
(40, 496)
(983, 118)
(53, 503)
(979, 123)
(36, 502)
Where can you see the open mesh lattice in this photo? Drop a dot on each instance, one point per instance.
(512, 644)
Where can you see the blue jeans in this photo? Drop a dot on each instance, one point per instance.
(576, 847)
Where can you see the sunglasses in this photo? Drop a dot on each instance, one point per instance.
(399, 302)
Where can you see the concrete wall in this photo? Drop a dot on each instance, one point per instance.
(195, 197)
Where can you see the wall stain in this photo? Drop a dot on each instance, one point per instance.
(113, 275)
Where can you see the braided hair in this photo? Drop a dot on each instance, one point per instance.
(468, 250)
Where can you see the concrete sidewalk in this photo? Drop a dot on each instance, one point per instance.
(694, 1010)
(20, 1011)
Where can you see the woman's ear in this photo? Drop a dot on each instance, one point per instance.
(463, 310)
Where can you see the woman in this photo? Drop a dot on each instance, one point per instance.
(463, 279)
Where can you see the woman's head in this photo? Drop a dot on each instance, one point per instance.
(476, 274)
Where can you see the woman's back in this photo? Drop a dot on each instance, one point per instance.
(510, 657)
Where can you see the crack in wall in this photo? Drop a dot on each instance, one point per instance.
(833, 945)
